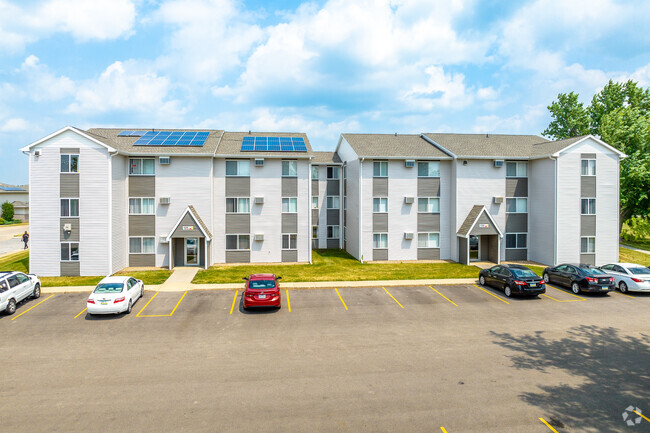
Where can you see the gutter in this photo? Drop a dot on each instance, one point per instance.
(309, 212)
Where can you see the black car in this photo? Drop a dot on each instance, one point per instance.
(513, 280)
(580, 278)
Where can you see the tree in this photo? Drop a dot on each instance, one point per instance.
(7, 211)
(570, 118)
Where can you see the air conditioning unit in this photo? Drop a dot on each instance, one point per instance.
(497, 200)
(498, 163)
(67, 227)
(259, 162)
(408, 236)
(409, 163)
(259, 236)
(165, 200)
(259, 200)
(409, 200)
(37, 152)
(163, 239)
(164, 160)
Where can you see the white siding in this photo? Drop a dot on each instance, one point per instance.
(568, 208)
(447, 235)
(607, 208)
(347, 154)
(267, 218)
(322, 207)
(119, 213)
(366, 209)
(219, 212)
(304, 208)
(11, 197)
(402, 182)
(541, 215)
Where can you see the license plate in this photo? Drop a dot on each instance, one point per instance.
(104, 303)
(605, 288)
(262, 296)
(533, 284)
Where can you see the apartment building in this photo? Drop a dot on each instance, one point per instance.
(328, 204)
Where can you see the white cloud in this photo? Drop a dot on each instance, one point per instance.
(441, 91)
(521, 123)
(41, 84)
(15, 124)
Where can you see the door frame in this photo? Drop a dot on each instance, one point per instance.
(198, 252)
(478, 250)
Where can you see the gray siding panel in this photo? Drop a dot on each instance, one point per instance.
(588, 186)
(428, 222)
(71, 150)
(314, 187)
(178, 248)
(517, 254)
(238, 256)
(314, 244)
(379, 255)
(238, 223)
(332, 243)
(289, 255)
(69, 185)
(517, 223)
(589, 259)
(428, 253)
(142, 260)
(72, 236)
(517, 187)
(380, 223)
(289, 187)
(238, 186)
(333, 187)
(142, 186)
(380, 187)
(428, 187)
(462, 251)
(142, 225)
(70, 269)
(314, 217)
(587, 225)
(289, 223)
(489, 230)
(188, 221)
(333, 217)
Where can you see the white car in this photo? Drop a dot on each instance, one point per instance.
(115, 295)
(629, 276)
(16, 286)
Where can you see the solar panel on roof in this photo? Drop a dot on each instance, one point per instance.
(11, 188)
(132, 133)
(173, 138)
(273, 144)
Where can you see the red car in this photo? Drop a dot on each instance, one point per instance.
(262, 290)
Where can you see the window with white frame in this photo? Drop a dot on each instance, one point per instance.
(289, 241)
(69, 163)
(516, 205)
(314, 172)
(380, 240)
(333, 202)
(516, 240)
(516, 169)
(345, 203)
(332, 232)
(587, 244)
(69, 251)
(142, 206)
(588, 206)
(314, 202)
(238, 242)
(238, 205)
(428, 204)
(314, 232)
(588, 167)
(380, 169)
(69, 207)
(241, 168)
(379, 205)
(289, 168)
(142, 245)
(333, 172)
(289, 205)
(428, 240)
(142, 166)
(429, 169)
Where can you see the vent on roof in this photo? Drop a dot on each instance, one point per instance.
(409, 163)
(164, 160)
(498, 163)
(259, 162)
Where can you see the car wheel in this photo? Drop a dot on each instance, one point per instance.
(130, 307)
(575, 288)
(11, 307)
(546, 278)
(622, 287)
(508, 291)
(37, 291)
(481, 280)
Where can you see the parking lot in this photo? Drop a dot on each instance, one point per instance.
(459, 358)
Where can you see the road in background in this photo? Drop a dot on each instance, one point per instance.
(8, 242)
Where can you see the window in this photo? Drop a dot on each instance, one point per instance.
(332, 172)
(333, 202)
(380, 240)
(142, 166)
(588, 206)
(238, 205)
(588, 245)
(428, 204)
(238, 242)
(238, 168)
(289, 242)
(380, 205)
(142, 206)
(516, 169)
(516, 205)
(516, 240)
(332, 232)
(314, 232)
(142, 245)
(289, 205)
(380, 169)
(69, 207)
(429, 169)
(69, 251)
(588, 167)
(314, 172)
(345, 172)
(69, 163)
(428, 240)
(289, 168)
(345, 203)
(314, 202)
(345, 234)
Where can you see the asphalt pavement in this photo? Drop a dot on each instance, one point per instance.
(8, 242)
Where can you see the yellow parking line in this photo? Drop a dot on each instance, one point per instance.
(34, 306)
(177, 304)
(548, 425)
(233, 301)
(288, 302)
(443, 296)
(620, 293)
(557, 300)
(160, 315)
(145, 305)
(568, 293)
(642, 416)
(492, 294)
(393, 297)
(443, 430)
(342, 301)
(84, 310)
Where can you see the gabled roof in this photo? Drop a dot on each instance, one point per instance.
(90, 136)
(231, 145)
(393, 146)
(488, 145)
(125, 144)
(472, 217)
(326, 158)
(195, 215)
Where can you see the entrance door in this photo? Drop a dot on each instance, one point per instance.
(191, 251)
(474, 248)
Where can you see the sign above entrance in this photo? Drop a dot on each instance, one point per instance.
(484, 226)
(190, 228)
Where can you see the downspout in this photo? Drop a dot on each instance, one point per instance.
(341, 208)
(361, 209)
(309, 212)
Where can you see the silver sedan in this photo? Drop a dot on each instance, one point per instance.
(629, 276)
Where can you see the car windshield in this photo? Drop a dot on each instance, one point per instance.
(640, 271)
(261, 284)
(593, 271)
(108, 288)
(523, 273)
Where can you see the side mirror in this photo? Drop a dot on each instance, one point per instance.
(278, 278)
(245, 278)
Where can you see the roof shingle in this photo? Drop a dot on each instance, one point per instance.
(393, 145)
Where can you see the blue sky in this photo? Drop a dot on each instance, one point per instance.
(322, 67)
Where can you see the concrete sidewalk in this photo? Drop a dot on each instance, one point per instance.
(634, 249)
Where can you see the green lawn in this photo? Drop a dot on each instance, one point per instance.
(629, 256)
(337, 265)
(643, 245)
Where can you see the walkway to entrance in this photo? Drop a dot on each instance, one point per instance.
(179, 280)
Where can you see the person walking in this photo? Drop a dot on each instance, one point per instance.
(25, 239)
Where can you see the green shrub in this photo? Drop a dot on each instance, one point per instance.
(7, 211)
(2, 221)
(636, 229)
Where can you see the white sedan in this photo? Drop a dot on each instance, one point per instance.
(16, 286)
(115, 295)
(629, 276)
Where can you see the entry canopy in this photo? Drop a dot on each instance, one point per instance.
(479, 222)
(189, 225)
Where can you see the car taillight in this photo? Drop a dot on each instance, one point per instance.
(637, 280)
(118, 300)
(592, 280)
(541, 282)
(91, 301)
(520, 283)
